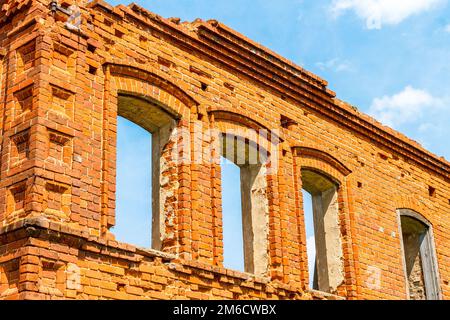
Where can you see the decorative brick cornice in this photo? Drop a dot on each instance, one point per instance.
(252, 53)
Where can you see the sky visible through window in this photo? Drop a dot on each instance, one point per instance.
(134, 184)
(233, 244)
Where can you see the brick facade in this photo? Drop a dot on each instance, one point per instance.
(61, 91)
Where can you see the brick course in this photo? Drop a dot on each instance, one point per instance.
(60, 91)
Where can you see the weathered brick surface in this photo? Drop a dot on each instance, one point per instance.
(58, 107)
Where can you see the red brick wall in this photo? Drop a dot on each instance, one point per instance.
(58, 109)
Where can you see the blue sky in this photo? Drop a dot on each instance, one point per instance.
(389, 58)
(134, 184)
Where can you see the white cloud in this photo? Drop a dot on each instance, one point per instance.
(447, 28)
(377, 13)
(335, 64)
(407, 106)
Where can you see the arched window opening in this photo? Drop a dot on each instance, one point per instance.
(143, 133)
(419, 257)
(321, 211)
(251, 161)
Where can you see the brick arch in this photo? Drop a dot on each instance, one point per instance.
(242, 131)
(416, 205)
(149, 82)
(321, 166)
(415, 214)
(238, 118)
(322, 161)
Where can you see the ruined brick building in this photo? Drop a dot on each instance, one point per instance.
(67, 72)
